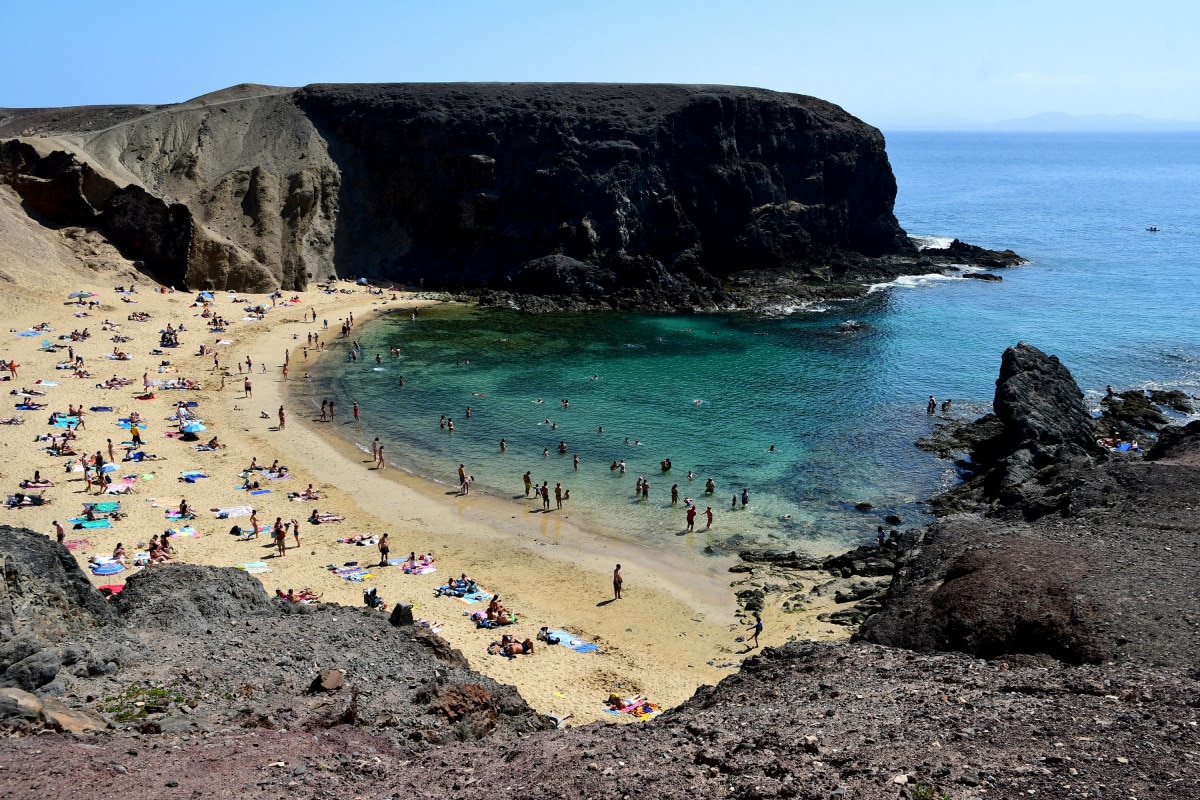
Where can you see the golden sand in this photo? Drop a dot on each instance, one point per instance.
(674, 629)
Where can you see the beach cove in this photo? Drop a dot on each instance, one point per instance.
(674, 629)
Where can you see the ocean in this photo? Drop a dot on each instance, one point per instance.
(810, 419)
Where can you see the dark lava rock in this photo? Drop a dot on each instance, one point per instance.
(45, 589)
(539, 196)
(1178, 445)
(1135, 409)
(982, 276)
(191, 597)
(1043, 413)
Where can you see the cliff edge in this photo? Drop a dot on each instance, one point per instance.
(601, 195)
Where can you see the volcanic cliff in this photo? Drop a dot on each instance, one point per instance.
(600, 195)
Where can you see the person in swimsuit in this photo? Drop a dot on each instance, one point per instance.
(618, 582)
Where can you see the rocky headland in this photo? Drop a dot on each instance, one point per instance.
(1039, 639)
(540, 196)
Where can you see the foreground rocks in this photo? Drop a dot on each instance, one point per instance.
(804, 721)
(544, 196)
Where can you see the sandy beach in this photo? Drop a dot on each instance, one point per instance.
(675, 628)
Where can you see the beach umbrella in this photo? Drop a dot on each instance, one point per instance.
(109, 468)
(206, 296)
(193, 427)
(77, 295)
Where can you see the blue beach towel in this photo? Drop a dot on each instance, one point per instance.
(80, 522)
(101, 408)
(574, 642)
(261, 491)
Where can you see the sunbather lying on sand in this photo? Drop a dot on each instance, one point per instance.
(318, 517)
(510, 646)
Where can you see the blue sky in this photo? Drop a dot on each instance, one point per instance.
(895, 64)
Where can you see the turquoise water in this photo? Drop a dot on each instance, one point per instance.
(713, 393)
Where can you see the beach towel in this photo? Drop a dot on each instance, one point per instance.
(574, 642)
(173, 513)
(77, 545)
(80, 522)
(126, 424)
(255, 567)
(192, 475)
(45, 383)
(28, 333)
(233, 511)
(62, 422)
(171, 434)
(103, 507)
(112, 588)
(261, 491)
(479, 595)
(186, 530)
(101, 408)
(435, 627)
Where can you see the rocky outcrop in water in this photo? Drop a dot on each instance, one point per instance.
(586, 195)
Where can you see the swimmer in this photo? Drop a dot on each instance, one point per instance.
(771, 449)
(595, 377)
(600, 429)
(697, 402)
(539, 402)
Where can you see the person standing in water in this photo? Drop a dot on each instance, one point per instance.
(932, 406)
(708, 512)
(528, 483)
(745, 497)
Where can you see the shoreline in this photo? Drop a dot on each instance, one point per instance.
(674, 630)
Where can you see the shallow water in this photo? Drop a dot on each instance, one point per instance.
(713, 393)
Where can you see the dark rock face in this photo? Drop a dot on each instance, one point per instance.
(191, 598)
(1078, 558)
(545, 195)
(586, 189)
(1042, 410)
(993, 595)
(1178, 445)
(44, 593)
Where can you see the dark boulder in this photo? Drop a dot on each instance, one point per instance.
(992, 596)
(188, 597)
(44, 587)
(1043, 413)
(1178, 445)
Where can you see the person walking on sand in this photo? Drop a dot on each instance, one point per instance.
(332, 413)
(296, 531)
(375, 449)
(545, 495)
(325, 411)
(708, 512)
(618, 582)
(379, 462)
(384, 550)
(282, 418)
(755, 630)
(246, 387)
(280, 537)
(59, 534)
